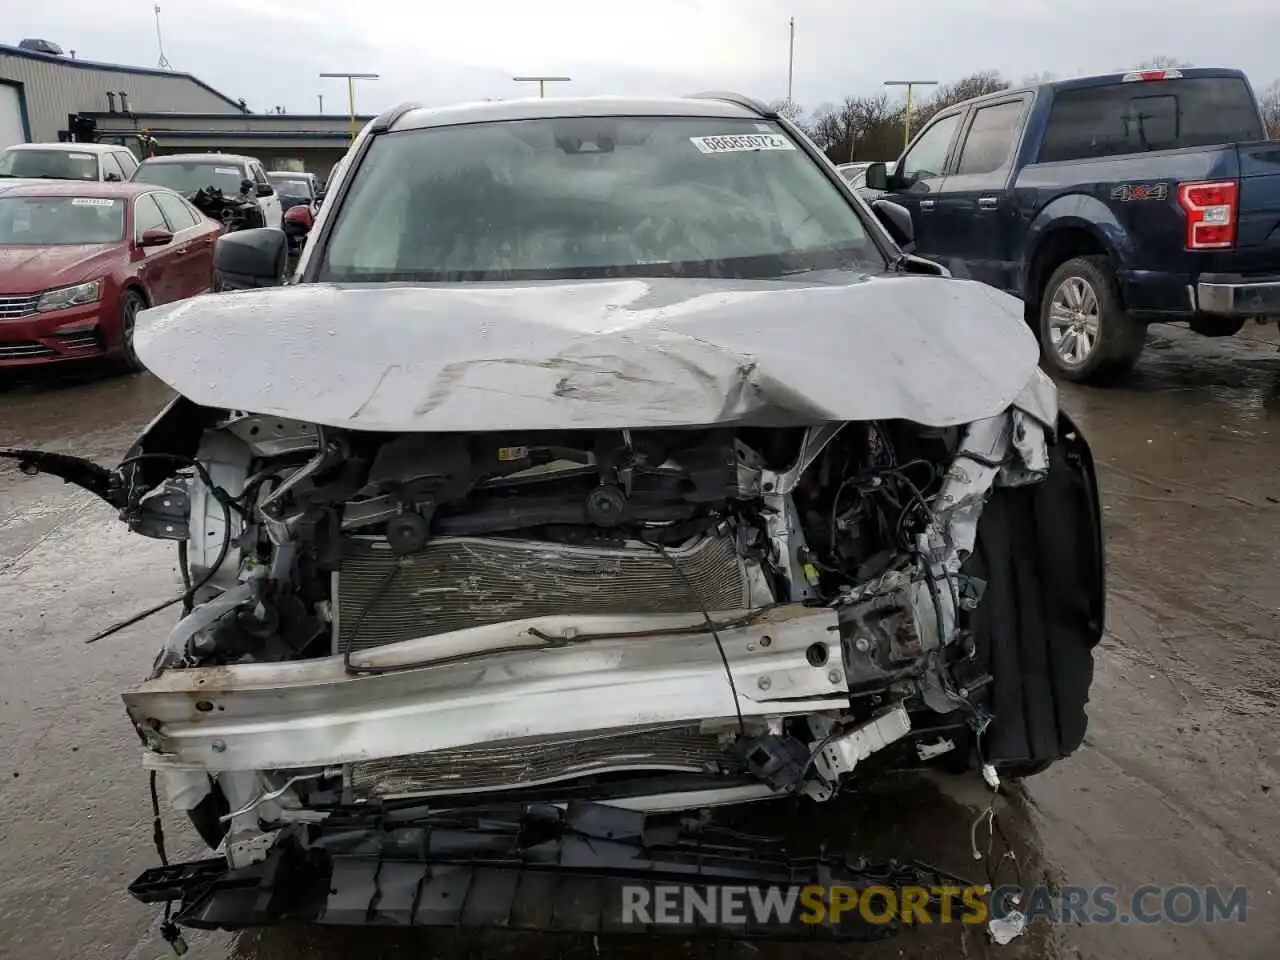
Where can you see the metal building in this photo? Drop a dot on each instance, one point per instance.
(44, 95)
(38, 91)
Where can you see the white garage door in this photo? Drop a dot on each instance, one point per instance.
(10, 117)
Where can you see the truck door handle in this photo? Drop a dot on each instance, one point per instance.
(926, 204)
(988, 203)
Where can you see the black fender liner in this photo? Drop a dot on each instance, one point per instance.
(1040, 551)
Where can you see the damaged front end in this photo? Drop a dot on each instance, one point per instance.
(395, 639)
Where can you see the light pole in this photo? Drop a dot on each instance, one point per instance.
(909, 84)
(791, 58)
(351, 79)
(541, 82)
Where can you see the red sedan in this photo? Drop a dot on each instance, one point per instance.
(78, 261)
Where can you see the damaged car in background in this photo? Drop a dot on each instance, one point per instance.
(606, 460)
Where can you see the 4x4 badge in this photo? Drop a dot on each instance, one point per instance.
(1140, 191)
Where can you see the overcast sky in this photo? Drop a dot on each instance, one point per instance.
(269, 51)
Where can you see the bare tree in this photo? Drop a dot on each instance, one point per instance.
(861, 128)
(966, 88)
(873, 122)
(789, 109)
(1163, 62)
(1038, 78)
(825, 128)
(1270, 104)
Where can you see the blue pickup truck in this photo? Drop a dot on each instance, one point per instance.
(1105, 203)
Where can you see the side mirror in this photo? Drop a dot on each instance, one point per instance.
(876, 177)
(155, 237)
(252, 258)
(265, 190)
(896, 219)
(112, 178)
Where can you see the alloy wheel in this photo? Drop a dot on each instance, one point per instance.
(1074, 321)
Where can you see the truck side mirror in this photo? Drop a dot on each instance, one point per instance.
(876, 177)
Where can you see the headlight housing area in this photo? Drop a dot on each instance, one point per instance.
(75, 296)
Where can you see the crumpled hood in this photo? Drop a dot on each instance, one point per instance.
(602, 354)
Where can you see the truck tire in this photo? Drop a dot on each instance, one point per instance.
(1085, 333)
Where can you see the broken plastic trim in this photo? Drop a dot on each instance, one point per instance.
(514, 867)
(98, 480)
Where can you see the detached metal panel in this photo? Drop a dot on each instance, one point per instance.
(57, 86)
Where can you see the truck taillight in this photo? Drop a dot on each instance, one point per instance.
(1137, 76)
(1211, 213)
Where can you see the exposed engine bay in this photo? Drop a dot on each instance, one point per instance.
(656, 619)
(412, 666)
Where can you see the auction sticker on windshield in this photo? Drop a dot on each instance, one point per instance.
(740, 143)
(227, 171)
(91, 202)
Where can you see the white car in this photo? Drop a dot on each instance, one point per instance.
(232, 174)
(31, 162)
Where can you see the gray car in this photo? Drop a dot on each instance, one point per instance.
(604, 460)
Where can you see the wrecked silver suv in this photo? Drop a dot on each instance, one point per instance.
(604, 459)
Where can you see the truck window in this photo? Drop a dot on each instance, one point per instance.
(989, 143)
(1147, 115)
(928, 155)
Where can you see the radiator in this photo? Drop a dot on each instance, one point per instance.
(518, 764)
(459, 582)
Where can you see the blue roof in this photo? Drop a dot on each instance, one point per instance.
(1103, 79)
(114, 68)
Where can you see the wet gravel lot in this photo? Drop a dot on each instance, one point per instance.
(1179, 780)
